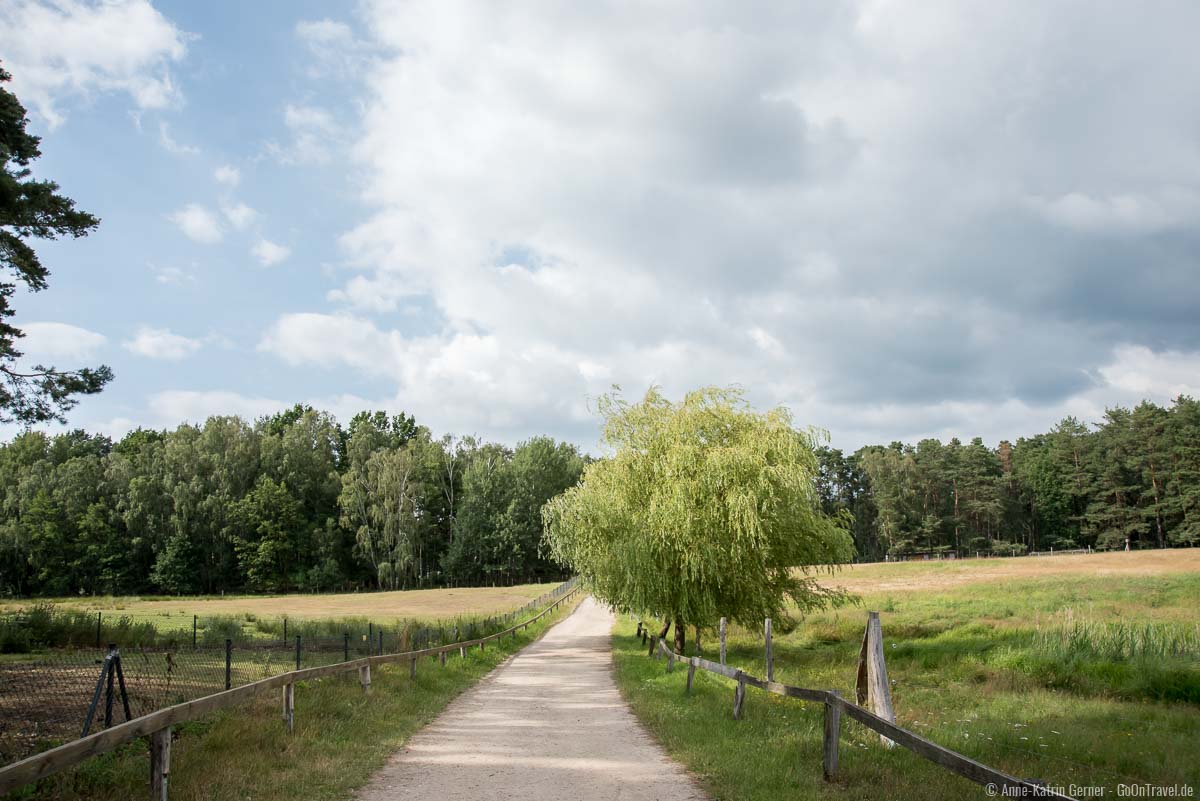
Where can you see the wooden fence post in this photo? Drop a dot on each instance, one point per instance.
(860, 682)
(160, 763)
(442, 658)
(880, 692)
(691, 673)
(462, 652)
(739, 695)
(364, 677)
(770, 652)
(412, 668)
(289, 706)
(722, 632)
(653, 645)
(833, 732)
(670, 661)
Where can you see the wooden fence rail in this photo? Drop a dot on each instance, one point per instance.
(157, 725)
(837, 707)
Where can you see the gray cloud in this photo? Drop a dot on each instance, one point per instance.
(898, 219)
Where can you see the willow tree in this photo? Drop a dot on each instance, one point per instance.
(705, 509)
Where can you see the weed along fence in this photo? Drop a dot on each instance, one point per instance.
(61, 689)
(872, 689)
(157, 725)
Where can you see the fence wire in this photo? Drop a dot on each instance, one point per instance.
(44, 697)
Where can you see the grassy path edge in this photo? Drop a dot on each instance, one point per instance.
(342, 736)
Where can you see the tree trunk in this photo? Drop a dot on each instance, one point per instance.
(666, 627)
(680, 636)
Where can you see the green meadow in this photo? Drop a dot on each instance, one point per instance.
(1080, 678)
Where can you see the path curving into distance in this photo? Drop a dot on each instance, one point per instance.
(547, 725)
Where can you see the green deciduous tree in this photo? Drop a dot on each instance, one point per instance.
(705, 509)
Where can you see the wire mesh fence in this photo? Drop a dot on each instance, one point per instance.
(45, 697)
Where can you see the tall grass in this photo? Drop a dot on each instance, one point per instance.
(1118, 640)
(44, 626)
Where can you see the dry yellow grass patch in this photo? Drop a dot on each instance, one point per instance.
(379, 606)
(908, 576)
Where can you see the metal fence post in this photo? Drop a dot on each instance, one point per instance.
(194, 621)
(99, 616)
(381, 642)
(346, 646)
(112, 677)
(297, 652)
(228, 663)
(285, 637)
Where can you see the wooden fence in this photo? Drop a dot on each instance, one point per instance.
(157, 725)
(836, 708)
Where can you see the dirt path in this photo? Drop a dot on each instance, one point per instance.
(547, 725)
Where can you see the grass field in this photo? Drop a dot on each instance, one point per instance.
(342, 736)
(1079, 670)
(168, 613)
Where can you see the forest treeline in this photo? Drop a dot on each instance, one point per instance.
(1134, 476)
(297, 502)
(293, 501)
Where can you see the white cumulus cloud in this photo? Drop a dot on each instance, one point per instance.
(240, 215)
(68, 49)
(198, 224)
(160, 343)
(172, 407)
(227, 175)
(270, 253)
(49, 342)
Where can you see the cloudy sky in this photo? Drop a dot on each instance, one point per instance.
(898, 219)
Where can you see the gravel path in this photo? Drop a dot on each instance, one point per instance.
(546, 725)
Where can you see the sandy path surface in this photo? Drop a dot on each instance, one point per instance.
(546, 725)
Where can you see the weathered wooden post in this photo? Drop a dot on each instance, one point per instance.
(462, 652)
(364, 677)
(653, 646)
(692, 664)
(442, 657)
(412, 668)
(833, 733)
(739, 695)
(289, 706)
(872, 681)
(770, 651)
(639, 629)
(722, 632)
(160, 763)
